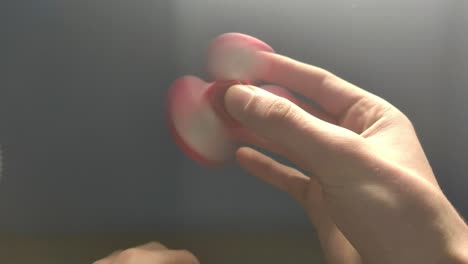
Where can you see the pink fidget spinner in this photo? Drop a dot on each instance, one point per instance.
(198, 120)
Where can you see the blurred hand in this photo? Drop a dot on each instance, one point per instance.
(364, 180)
(151, 253)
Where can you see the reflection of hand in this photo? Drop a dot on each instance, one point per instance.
(151, 253)
(371, 192)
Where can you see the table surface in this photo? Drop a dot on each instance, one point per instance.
(213, 248)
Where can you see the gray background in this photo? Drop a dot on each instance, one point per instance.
(82, 96)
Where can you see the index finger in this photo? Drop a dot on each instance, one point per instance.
(333, 94)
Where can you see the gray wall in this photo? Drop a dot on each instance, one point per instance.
(82, 98)
(454, 172)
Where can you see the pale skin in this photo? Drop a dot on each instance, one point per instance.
(364, 179)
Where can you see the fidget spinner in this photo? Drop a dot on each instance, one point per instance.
(197, 118)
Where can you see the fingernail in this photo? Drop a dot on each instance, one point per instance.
(236, 98)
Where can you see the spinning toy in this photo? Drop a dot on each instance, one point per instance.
(197, 118)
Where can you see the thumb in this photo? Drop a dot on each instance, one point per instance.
(308, 141)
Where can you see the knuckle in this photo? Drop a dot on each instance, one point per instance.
(346, 146)
(406, 120)
(399, 118)
(351, 141)
(279, 110)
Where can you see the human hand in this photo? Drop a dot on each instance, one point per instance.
(150, 253)
(365, 180)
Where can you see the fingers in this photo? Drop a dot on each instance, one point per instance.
(149, 253)
(305, 190)
(333, 94)
(310, 142)
(285, 178)
(336, 247)
(165, 257)
(246, 136)
(304, 105)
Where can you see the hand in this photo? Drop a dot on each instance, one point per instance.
(151, 253)
(365, 180)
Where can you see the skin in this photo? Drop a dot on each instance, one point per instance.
(363, 177)
(150, 253)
